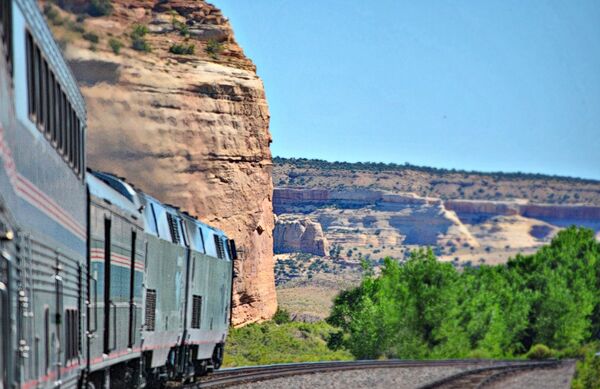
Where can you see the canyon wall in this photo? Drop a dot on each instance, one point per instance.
(377, 223)
(191, 130)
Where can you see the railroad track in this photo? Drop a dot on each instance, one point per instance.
(482, 377)
(484, 371)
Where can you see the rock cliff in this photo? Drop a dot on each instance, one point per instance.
(299, 236)
(191, 128)
(377, 223)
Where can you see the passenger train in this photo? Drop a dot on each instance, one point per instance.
(101, 285)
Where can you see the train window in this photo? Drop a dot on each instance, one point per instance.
(67, 145)
(186, 241)
(173, 228)
(56, 112)
(63, 123)
(219, 247)
(36, 83)
(30, 75)
(50, 109)
(72, 128)
(150, 321)
(50, 100)
(76, 157)
(155, 224)
(196, 311)
(44, 97)
(202, 239)
(6, 30)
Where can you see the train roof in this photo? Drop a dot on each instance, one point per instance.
(35, 23)
(140, 200)
(102, 189)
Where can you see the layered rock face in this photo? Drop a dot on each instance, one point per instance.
(377, 223)
(299, 236)
(191, 130)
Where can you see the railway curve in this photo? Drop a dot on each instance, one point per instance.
(477, 373)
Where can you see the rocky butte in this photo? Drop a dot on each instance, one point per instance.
(176, 107)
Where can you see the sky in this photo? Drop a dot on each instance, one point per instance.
(496, 85)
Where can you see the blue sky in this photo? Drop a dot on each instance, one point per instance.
(479, 85)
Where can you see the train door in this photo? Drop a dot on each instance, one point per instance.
(5, 349)
(109, 312)
(3, 335)
(58, 320)
(132, 305)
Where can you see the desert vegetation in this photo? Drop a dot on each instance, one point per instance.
(281, 341)
(538, 306)
(427, 309)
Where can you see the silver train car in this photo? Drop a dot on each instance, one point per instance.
(161, 304)
(101, 285)
(43, 206)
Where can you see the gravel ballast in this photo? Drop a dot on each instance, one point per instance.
(413, 377)
(400, 378)
(558, 378)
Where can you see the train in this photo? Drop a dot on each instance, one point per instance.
(101, 285)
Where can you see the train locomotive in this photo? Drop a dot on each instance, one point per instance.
(101, 285)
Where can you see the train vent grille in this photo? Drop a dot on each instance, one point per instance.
(173, 228)
(150, 309)
(196, 311)
(220, 247)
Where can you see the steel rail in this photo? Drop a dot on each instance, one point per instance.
(233, 376)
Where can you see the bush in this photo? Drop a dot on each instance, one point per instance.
(75, 27)
(99, 8)
(265, 343)
(115, 45)
(138, 40)
(52, 15)
(182, 49)
(90, 36)
(214, 48)
(424, 308)
(282, 316)
(139, 31)
(140, 44)
(184, 30)
(540, 351)
(587, 375)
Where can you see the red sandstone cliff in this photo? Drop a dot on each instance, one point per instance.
(192, 130)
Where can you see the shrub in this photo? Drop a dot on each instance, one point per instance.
(138, 40)
(282, 316)
(140, 44)
(182, 48)
(540, 351)
(115, 45)
(479, 354)
(90, 36)
(75, 27)
(184, 30)
(265, 343)
(214, 48)
(588, 369)
(52, 15)
(99, 8)
(139, 31)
